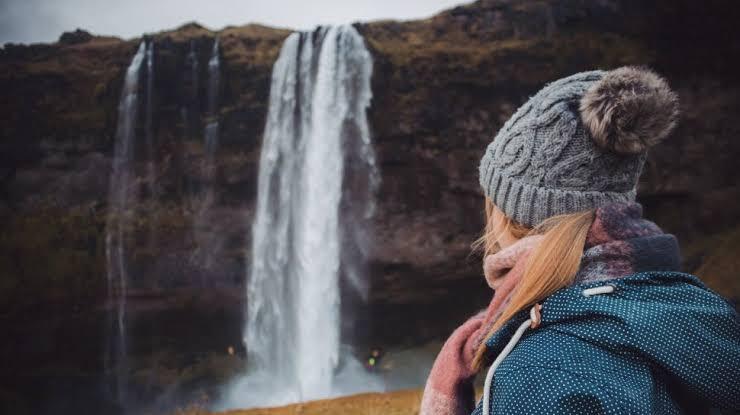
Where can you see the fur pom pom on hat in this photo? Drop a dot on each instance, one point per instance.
(578, 144)
(629, 110)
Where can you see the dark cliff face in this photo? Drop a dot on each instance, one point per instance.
(58, 132)
(442, 87)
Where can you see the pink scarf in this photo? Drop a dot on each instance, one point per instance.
(449, 388)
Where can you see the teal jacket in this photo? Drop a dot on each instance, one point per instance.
(660, 343)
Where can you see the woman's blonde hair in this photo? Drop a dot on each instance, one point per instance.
(552, 265)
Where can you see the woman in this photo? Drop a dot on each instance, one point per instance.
(589, 313)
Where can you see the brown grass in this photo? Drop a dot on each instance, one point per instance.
(405, 402)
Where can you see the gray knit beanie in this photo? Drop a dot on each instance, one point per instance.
(577, 144)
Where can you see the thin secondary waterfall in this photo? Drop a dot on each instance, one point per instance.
(121, 200)
(192, 63)
(210, 242)
(214, 79)
(190, 113)
(151, 179)
(319, 95)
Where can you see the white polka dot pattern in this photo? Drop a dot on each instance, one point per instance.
(660, 343)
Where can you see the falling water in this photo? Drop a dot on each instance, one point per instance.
(319, 95)
(190, 114)
(192, 63)
(148, 126)
(209, 241)
(214, 78)
(151, 175)
(121, 197)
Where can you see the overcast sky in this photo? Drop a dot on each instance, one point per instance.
(29, 21)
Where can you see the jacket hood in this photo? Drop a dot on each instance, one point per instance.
(668, 320)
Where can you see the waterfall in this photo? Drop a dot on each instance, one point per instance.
(214, 79)
(209, 240)
(191, 60)
(190, 114)
(151, 180)
(121, 199)
(319, 95)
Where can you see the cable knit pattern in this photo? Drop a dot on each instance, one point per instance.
(544, 162)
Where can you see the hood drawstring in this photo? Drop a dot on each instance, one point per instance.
(534, 320)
